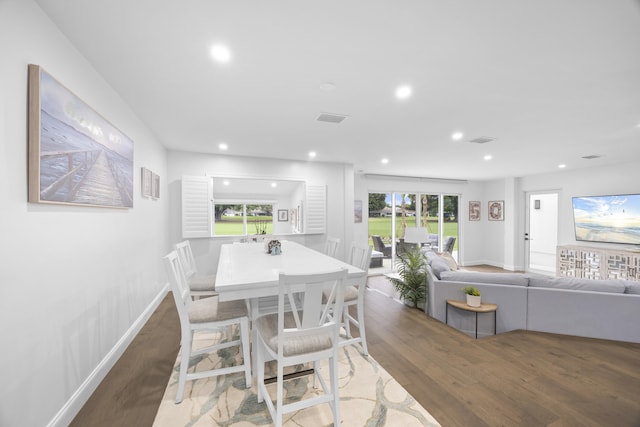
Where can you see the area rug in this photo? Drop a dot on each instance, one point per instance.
(369, 396)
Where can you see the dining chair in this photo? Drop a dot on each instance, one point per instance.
(359, 256)
(306, 334)
(199, 285)
(331, 246)
(206, 314)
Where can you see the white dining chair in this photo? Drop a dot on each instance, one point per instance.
(359, 256)
(306, 334)
(199, 285)
(331, 246)
(206, 314)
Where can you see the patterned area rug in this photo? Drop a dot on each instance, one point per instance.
(369, 396)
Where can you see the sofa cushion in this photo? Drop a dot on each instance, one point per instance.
(515, 279)
(612, 286)
(632, 287)
(438, 264)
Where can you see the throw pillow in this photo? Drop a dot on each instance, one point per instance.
(449, 259)
(438, 266)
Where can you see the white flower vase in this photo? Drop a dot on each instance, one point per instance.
(473, 300)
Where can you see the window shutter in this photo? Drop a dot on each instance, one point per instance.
(315, 209)
(197, 207)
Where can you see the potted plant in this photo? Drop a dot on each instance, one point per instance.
(473, 296)
(411, 280)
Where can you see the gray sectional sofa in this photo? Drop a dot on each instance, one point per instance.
(608, 309)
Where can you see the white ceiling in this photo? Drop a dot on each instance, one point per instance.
(551, 80)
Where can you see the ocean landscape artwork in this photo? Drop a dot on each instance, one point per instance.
(76, 156)
(608, 219)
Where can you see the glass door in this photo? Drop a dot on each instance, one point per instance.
(380, 232)
(450, 225)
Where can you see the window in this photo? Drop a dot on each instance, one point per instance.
(245, 206)
(241, 219)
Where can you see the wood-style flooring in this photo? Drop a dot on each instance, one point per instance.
(518, 378)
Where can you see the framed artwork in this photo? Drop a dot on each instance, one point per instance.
(474, 211)
(357, 211)
(145, 181)
(155, 186)
(76, 157)
(496, 210)
(283, 215)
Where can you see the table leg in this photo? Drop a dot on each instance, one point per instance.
(476, 325)
(253, 302)
(446, 314)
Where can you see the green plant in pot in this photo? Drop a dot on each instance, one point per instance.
(473, 296)
(411, 282)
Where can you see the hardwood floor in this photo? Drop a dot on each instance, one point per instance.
(518, 378)
(131, 393)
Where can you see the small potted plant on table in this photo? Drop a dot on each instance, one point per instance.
(473, 296)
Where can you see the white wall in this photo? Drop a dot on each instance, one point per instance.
(337, 177)
(599, 180)
(604, 180)
(75, 282)
(501, 243)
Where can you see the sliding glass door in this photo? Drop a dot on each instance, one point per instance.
(391, 214)
(451, 225)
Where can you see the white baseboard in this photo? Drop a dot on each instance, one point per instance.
(75, 403)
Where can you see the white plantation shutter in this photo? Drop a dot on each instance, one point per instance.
(197, 207)
(316, 209)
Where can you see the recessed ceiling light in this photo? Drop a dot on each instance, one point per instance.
(457, 136)
(221, 53)
(327, 86)
(403, 92)
(562, 166)
(223, 146)
(274, 184)
(384, 161)
(312, 154)
(225, 182)
(488, 157)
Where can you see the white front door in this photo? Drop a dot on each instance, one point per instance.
(541, 235)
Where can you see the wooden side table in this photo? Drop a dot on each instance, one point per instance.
(484, 308)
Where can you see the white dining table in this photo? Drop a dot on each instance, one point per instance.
(246, 271)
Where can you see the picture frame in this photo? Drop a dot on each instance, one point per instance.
(76, 156)
(145, 182)
(496, 210)
(283, 215)
(474, 210)
(357, 211)
(155, 186)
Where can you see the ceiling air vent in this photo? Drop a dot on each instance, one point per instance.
(331, 118)
(482, 140)
(591, 157)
